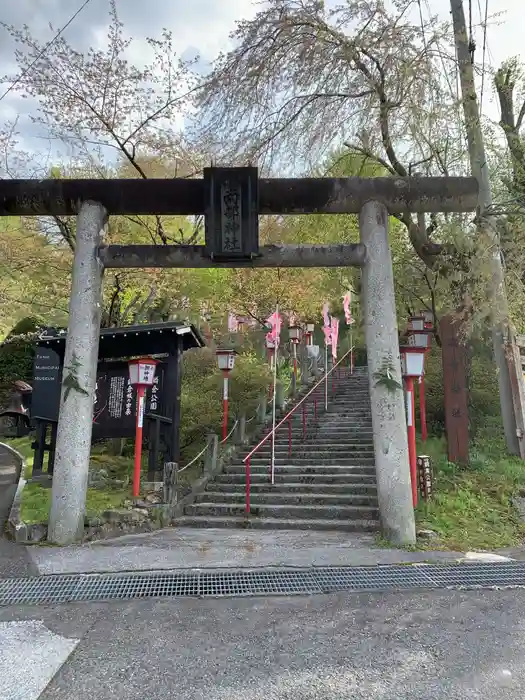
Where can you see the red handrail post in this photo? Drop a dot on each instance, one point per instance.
(248, 485)
(290, 436)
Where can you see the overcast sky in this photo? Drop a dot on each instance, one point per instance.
(203, 26)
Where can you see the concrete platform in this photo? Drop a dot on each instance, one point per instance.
(186, 548)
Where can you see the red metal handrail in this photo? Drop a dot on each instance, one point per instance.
(272, 432)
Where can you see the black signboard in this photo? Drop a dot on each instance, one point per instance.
(47, 375)
(115, 408)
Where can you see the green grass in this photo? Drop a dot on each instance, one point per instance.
(36, 498)
(23, 445)
(36, 501)
(471, 507)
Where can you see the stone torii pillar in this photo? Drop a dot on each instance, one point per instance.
(75, 422)
(388, 405)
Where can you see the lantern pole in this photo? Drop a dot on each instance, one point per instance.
(141, 389)
(141, 375)
(423, 409)
(225, 405)
(411, 431)
(295, 365)
(226, 362)
(274, 405)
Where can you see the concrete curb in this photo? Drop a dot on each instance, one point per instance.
(16, 527)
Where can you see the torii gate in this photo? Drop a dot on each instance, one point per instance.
(231, 200)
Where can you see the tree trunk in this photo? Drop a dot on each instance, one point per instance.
(486, 224)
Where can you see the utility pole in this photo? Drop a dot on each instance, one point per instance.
(75, 423)
(486, 224)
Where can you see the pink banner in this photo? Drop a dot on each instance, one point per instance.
(327, 335)
(335, 336)
(326, 315)
(275, 322)
(347, 301)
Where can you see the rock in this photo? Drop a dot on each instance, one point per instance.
(153, 498)
(519, 504)
(139, 503)
(152, 486)
(20, 533)
(122, 517)
(94, 521)
(36, 532)
(118, 484)
(485, 556)
(143, 511)
(161, 515)
(427, 534)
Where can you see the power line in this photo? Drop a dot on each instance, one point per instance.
(46, 47)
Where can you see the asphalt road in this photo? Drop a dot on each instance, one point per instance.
(439, 645)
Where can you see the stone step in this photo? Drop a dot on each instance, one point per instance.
(348, 479)
(336, 427)
(303, 512)
(311, 463)
(313, 458)
(299, 448)
(322, 443)
(334, 431)
(279, 499)
(263, 467)
(256, 523)
(345, 399)
(294, 487)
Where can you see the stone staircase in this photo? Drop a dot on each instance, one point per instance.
(328, 483)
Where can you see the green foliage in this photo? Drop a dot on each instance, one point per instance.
(201, 395)
(16, 361)
(284, 373)
(484, 404)
(29, 324)
(471, 507)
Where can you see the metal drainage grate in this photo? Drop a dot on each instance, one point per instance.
(100, 587)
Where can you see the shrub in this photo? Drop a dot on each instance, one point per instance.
(201, 393)
(484, 405)
(16, 361)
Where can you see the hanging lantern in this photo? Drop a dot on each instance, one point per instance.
(412, 361)
(294, 333)
(226, 359)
